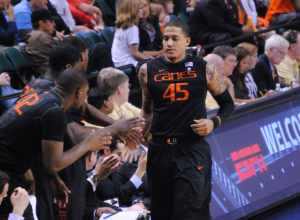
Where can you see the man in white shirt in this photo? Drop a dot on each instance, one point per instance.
(289, 68)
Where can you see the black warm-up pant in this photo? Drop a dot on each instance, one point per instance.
(180, 179)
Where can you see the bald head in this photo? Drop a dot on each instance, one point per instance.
(216, 61)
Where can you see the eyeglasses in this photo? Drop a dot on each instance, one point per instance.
(280, 52)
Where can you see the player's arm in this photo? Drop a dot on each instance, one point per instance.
(218, 88)
(147, 105)
(94, 116)
(53, 131)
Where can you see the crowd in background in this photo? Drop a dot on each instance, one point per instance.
(108, 40)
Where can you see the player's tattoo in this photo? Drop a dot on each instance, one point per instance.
(147, 105)
(215, 81)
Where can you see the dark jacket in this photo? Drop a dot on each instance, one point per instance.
(92, 202)
(240, 89)
(262, 74)
(145, 40)
(213, 21)
(8, 31)
(117, 185)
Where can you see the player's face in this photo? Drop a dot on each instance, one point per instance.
(175, 42)
(81, 96)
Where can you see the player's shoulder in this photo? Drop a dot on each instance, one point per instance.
(196, 59)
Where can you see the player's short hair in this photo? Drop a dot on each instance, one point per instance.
(70, 81)
(62, 55)
(77, 43)
(179, 24)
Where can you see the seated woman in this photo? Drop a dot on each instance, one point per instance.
(149, 30)
(125, 48)
(249, 81)
(242, 87)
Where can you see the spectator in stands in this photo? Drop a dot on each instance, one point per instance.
(99, 179)
(217, 62)
(63, 9)
(166, 11)
(289, 68)
(23, 11)
(249, 81)
(229, 56)
(149, 31)
(215, 20)
(248, 14)
(41, 40)
(113, 85)
(100, 169)
(238, 77)
(125, 47)
(265, 72)
(60, 24)
(19, 198)
(277, 8)
(6, 89)
(85, 13)
(8, 29)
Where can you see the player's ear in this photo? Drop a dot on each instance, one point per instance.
(188, 41)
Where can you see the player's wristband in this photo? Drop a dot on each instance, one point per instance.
(217, 121)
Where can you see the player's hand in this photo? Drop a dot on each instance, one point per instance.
(106, 166)
(4, 79)
(99, 139)
(100, 211)
(122, 127)
(203, 127)
(62, 193)
(129, 155)
(133, 138)
(19, 200)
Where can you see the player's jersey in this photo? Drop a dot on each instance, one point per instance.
(34, 118)
(178, 92)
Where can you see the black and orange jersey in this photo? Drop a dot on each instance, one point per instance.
(34, 118)
(178, 92)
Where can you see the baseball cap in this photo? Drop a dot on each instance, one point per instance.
(41, 15)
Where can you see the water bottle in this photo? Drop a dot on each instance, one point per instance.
(277, 87)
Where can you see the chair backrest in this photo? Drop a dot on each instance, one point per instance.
(5, 64)
(17, 58)
(22, 67)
